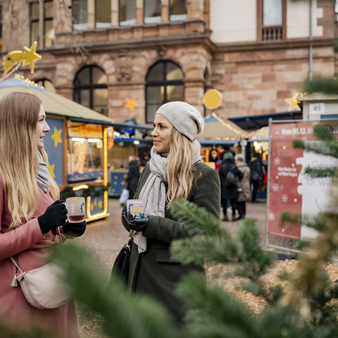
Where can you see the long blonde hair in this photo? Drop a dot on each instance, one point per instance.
(180, 170)
(19, 163)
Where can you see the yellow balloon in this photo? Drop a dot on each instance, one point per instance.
(212, 98)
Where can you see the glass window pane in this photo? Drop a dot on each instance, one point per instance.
(35, 11)
(173, 72)
(127, 12)
(99, 77)
(82, 77)
(178, 10)
(100, 98)
(84, 98)
(94, 155)
(175, 93)
(49, 33)
(34, 32)
(102, 13)
(155, 94)
(49, 9)
(272, 12)
(156, 73)
(80, 14)
(152, 11)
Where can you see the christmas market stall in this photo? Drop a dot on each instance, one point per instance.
(124, 140)
(217, 137)
(76, 146)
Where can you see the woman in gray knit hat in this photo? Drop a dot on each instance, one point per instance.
(175, 171)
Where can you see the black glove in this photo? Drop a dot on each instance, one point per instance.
(137, 224)
(74, 229)
(54, 216)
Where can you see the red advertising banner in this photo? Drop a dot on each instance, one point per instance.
(289, 188)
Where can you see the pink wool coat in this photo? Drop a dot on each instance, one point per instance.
(30, 248)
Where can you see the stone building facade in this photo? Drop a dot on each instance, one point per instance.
(257, 53)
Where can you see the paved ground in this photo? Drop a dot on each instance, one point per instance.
(106, 237)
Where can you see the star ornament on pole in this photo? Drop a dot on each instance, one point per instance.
(131, 104)
(30, 56)
(14, 59)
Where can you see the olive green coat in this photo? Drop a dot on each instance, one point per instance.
(153, 272)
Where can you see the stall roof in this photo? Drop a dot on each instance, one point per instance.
(215, 127)
(261, 134)
(251, 122)
(54, 103)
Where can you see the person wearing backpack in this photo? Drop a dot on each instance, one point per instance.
(257, 175)
(229, 174)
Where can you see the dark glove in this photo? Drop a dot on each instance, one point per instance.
(54, 216)
(74, 229)
(137, 224)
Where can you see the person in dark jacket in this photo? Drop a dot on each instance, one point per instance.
(133, 175)
(257, 176)
(228, 174)
(175, 171)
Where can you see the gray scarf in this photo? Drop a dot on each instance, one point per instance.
(43, 174)
(153, 193)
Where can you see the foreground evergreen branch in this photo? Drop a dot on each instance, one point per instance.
(123, 314)
(321, 85)
(33, 332)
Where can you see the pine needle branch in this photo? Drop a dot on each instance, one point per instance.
(218, 309)
(251, 248)
(191, 215)
(123, 315)
(321, 85)
(330, 148)
(200, 249)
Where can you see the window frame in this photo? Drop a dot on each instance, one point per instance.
(158, 18)
(42, 19)
(164, 82)
(91, 87)
(178, 20)
(119, 11)
(278, 33)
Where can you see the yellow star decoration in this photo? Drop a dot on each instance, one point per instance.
(100, 204)
(293, 102)
(57, 137)
(91, 207)
(131, 104)
(30, 56)
(11, 59)
(95, 201)
(51, 169)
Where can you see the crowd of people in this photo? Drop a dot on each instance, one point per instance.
(32, 217)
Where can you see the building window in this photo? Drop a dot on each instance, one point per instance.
(178, 10)
(80, 14)
(103, 13)
(164, 83)
(46, 84)
(152, 11)
(90, 89)
(127, 12)
(45, 37)
(272, 19)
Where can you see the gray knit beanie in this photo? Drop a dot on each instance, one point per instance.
(184, 117)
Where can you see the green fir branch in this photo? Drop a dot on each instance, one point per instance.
(251, 248)
(123, 314)
(216, 309)
(330, 148)
(191, 215)
(321, 85)
(201, 249)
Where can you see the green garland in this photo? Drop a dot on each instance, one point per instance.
(93, 191)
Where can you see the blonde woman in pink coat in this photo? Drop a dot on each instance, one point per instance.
(30, 212)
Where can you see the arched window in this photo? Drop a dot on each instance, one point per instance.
(164, 83)
(90, 88)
